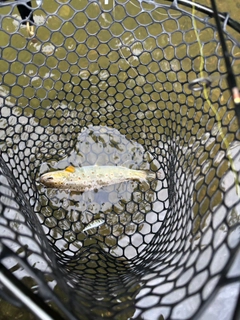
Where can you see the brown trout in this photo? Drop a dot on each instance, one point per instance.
(93, 177)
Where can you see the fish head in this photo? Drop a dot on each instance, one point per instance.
(54, 179)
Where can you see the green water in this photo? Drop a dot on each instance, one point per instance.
(87, 68)
(125, 207)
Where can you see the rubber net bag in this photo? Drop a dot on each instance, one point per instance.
(106, 83)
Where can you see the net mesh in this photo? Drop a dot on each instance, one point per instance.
(107, 83)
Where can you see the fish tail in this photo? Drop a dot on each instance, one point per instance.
(145, 175)
(150, 175)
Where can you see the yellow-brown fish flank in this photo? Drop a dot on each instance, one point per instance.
(93, 177)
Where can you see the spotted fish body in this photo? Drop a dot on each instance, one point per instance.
(93, 177)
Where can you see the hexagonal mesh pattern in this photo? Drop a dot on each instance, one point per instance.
(106, 83)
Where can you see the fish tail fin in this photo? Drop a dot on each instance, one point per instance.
(150, 175)
(144, 176)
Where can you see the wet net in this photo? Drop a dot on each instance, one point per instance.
(106, 83)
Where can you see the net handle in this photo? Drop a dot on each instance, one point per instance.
(230, 77)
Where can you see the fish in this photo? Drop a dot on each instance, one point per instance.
(94, 224)
(86, 178)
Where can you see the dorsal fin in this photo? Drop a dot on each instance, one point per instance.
(70, 169)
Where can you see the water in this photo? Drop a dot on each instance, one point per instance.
(48, 100)
(128, 208)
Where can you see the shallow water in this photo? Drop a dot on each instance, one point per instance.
(118, 204)
(128, 208)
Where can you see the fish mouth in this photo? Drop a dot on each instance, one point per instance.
(49, 178)
(46, 179)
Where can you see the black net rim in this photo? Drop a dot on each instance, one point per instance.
(227, 21)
